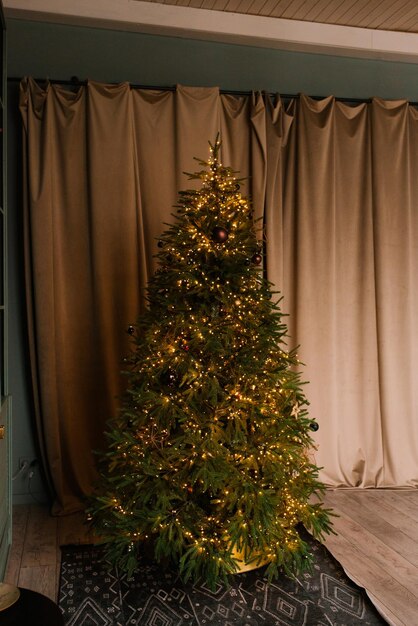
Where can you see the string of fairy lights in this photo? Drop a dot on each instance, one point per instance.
(209, 454)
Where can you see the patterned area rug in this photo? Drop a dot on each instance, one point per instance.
(93, 594)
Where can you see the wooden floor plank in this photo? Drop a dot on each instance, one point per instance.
(385, 612)
(389, 594)
(376, 544)
(20, 521)
(405, 502)
(383, 506)
(361, 509)
(41, 578)
(41, 538)
(56, 581)
(380, 553)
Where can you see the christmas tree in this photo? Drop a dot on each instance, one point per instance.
(208, 460)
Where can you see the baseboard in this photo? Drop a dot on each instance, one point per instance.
(28, 498)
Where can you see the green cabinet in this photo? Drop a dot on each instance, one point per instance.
(5, 400)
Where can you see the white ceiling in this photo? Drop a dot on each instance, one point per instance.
(397, 15)
(385, 29)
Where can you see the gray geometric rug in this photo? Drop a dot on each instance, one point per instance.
(94, 594)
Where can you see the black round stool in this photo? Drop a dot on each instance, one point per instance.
(32, 609)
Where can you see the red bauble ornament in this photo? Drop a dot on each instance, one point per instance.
(257, 258)
(185, 346)
(219, 234)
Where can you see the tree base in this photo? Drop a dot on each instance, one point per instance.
(246, 567)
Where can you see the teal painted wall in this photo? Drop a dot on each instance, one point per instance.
(23, 427)
(56, 51)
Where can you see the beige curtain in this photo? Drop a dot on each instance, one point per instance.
(342, 244)
(103, 169)
(336, 186)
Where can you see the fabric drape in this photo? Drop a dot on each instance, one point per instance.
(350, 259)
(337, 188)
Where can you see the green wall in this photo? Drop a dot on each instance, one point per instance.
(44, 50)
(58, 51)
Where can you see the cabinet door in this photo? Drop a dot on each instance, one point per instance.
(5, 486)
(5, 403)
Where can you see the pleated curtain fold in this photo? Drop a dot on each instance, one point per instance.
(337, 188)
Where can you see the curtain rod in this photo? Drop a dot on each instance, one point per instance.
(76, 82)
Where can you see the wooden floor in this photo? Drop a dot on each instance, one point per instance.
(377, 544)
